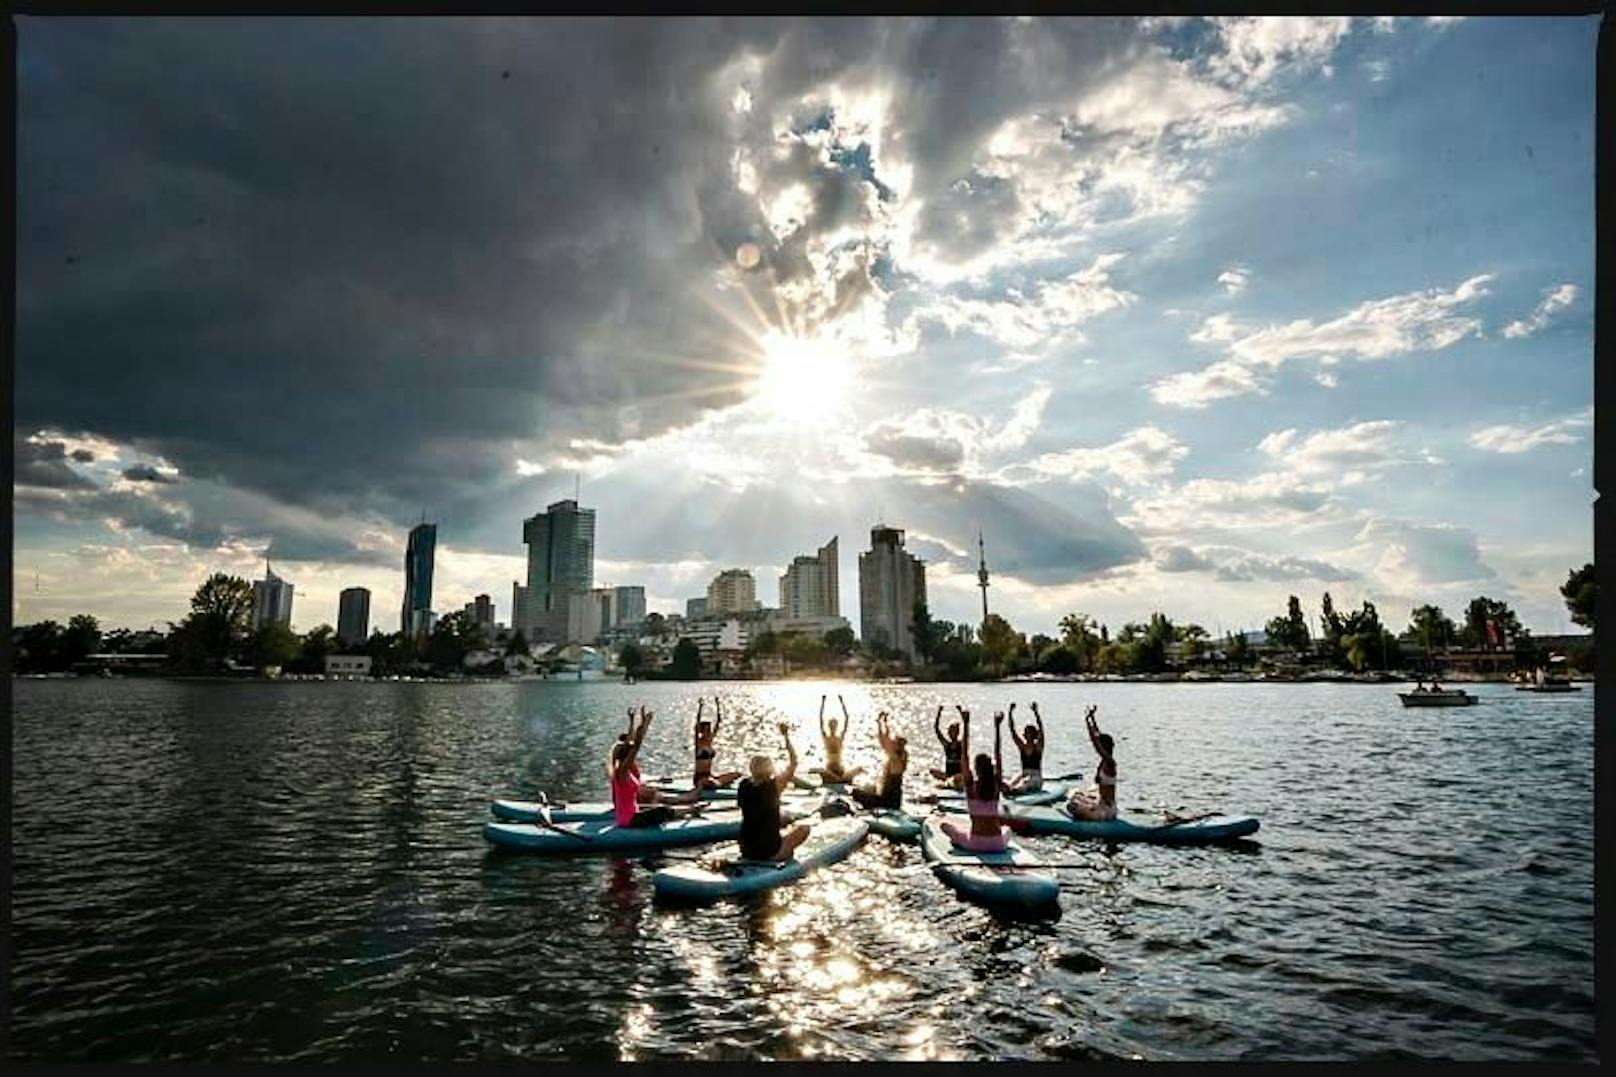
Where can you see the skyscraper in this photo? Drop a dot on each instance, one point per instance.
(560, 563)
(695, 607)
(272, 600)
(353, 616)
(891, 581)
(810, 587)
(630, 605)
(732, 591)
(418, 557)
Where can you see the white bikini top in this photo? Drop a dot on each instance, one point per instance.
(1100, 777)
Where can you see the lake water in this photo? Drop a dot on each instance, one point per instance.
(263, 871)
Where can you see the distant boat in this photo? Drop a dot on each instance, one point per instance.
(1549, 686)
(1442, 697)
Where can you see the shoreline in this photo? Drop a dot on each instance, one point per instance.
(1138, 678)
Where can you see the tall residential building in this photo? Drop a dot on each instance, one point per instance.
(732, 591)
(695, 608)
(353, 615)
(272, 600)
(891, 581)
(418, 557)
(482, 611)
(810, 587)
(630, 605)
(560, 563)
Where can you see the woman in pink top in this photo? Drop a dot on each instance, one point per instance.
(629, 792)
(982, 788)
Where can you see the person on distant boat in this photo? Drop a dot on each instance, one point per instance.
(629, 792)
(705, 736)
(953, 752)
(759, 798)
(1100, 802)
(1031, 747)
(983, 785)
(888, 793)
(833, 773)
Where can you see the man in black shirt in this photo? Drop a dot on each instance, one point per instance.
(759, 797)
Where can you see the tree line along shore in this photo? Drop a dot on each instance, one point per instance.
(215, 639)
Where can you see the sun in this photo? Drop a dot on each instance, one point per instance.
(802, 380)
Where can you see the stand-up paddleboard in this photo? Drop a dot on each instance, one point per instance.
(827, 842)
(1207, 830)
(1048, 793)
(528, 811)
(1013, 879)
(894, 824)
(604, 836)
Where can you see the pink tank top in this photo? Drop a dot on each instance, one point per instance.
(983, 808)
(626, 796)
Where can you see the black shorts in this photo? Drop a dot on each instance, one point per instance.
(655, 815)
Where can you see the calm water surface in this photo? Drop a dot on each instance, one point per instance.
(296, 871)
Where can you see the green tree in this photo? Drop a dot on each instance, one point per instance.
(805, 650)
(655, 625)
(318, 642)
(1290, 631)
(920, 624)
(39, 648)
(517, 644)
(1238, 650)
(765, 642)
(685, 664)
(1000, 642)
(221, 611)
(1482, 611)
(631, 658)
(1058, 659)
(273, 644)
(82, 638)
(1430, 627)
(1579, 592)
(453, 637)
(1078, 635)
(841, 641)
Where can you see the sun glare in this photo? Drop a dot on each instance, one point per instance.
(802, 380)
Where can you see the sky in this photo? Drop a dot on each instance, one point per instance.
(1180, 314)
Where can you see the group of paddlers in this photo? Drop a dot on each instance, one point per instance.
(636, 803)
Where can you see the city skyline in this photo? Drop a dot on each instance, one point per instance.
(1182, 313)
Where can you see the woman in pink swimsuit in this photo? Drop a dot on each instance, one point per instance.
(629, 792)
(982, 788)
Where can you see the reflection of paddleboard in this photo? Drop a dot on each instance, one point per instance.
(828, 842)
(1014, 878)
(894, 825)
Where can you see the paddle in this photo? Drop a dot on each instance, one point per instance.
(543, 819)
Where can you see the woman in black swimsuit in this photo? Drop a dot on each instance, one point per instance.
(888, 793)
(706, 736)
(953, 752)
(1031, 747)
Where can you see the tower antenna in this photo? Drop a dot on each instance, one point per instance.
(982, 574)
(577, 482)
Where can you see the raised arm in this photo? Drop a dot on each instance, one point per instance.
(937, 724)
(1013, 734)
(883, 735)
(718, 717)
(1093, 727)
(965, 744)
(998, 750)
(847, 719)
(783, 782)
(821, 716)
(639, 734)
(695, 727)
(1040, 718)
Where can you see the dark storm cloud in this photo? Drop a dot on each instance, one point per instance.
(45, 464)
(350, 264)
(146, 473)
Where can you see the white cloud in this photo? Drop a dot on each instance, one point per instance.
(1048, 318)
(1257, 48)
(1428, 320)
(1554, 300)
(1505, 438)
(1234, 279)
(1197, 389)
(1365, 446)
(1139, 456)
(1265, 501)
(1413, 554)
